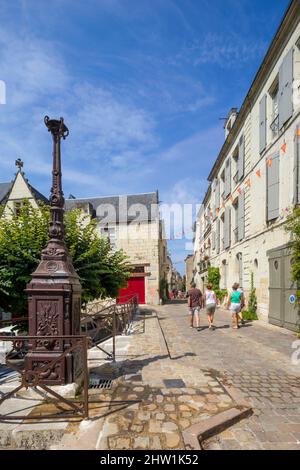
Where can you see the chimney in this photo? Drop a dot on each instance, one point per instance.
(232, 115)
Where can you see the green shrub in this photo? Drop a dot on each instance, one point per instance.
(247, 315)
(102, 272)
(252, 301)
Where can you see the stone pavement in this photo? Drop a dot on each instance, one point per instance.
(257, 360)
(154, 398)
(167, 377)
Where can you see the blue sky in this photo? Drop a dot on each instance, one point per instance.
(141, 85)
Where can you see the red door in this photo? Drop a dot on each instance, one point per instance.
(136, 285)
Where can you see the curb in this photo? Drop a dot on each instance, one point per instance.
(195, 435)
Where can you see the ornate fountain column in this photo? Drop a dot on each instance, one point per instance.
(54, 291)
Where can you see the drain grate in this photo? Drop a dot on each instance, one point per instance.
(174, 383)
(95, 382)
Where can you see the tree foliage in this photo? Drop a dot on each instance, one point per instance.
(293, 227)
(213, 278)
(102, 272)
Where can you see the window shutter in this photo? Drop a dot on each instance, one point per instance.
(217, 194)
(213, 240)
(227, 177)
(262, 123)
(273, 188)
(285, 104)
(241, 217)
(227, 228)
(296, 167)
(218, 236)
(241, 160)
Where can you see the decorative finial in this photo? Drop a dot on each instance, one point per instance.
(19, 163)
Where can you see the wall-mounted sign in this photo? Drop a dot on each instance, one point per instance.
(292, 299)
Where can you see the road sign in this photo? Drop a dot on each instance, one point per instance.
(292, 299)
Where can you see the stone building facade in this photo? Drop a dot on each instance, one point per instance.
(255, 183)
(189, 270)
(132, 223)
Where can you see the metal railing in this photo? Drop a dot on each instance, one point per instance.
(35, 378)
(97, 327)
(236, 177)
(236, 234)
(107, 323)
(274, 126)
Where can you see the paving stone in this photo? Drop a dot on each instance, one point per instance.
(155, 426)
(172, 440)
(155, 443)
(169, 427)
(141, 443)
(119, 443)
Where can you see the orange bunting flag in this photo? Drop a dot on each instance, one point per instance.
(239, 190)
(283, 148)
(270, 161)
(217, 211)
(298, 132)
(231, 198)
(248, 183)
(258, 173)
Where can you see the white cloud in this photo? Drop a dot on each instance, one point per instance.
(201, 145)
(224, 50)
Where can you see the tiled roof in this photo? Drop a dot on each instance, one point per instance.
(6, 187)
(114, 208)
(4, 190)
(38, 195)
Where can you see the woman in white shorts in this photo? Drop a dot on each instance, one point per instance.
(236, 301)
(210, 300)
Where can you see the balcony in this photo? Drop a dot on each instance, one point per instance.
(236, 177)
(236, 235)
(274, 126)
(207, 231)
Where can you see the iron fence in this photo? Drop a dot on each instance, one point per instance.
(35, 378)
(96, 328)
(107, 323)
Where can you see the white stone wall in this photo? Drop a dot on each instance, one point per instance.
(260, 236)
(19, 192)
(141, 243)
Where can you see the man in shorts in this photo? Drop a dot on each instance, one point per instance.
(195, 303)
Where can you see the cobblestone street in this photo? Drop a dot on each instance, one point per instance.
(171, 377)
(257, 360)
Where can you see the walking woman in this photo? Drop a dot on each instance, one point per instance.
(235, 303)
(210, 300)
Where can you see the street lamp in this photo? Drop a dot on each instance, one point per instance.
(54, 293)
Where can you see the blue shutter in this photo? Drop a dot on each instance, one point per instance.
(285, 98)
(217, 194)
(273, 188)
(213, 240)
(241, 160)
(218, 236)
(241, 217)
(227, 177)
(227, 228)
(262, 123)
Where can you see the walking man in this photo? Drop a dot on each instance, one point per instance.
(195, 304)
